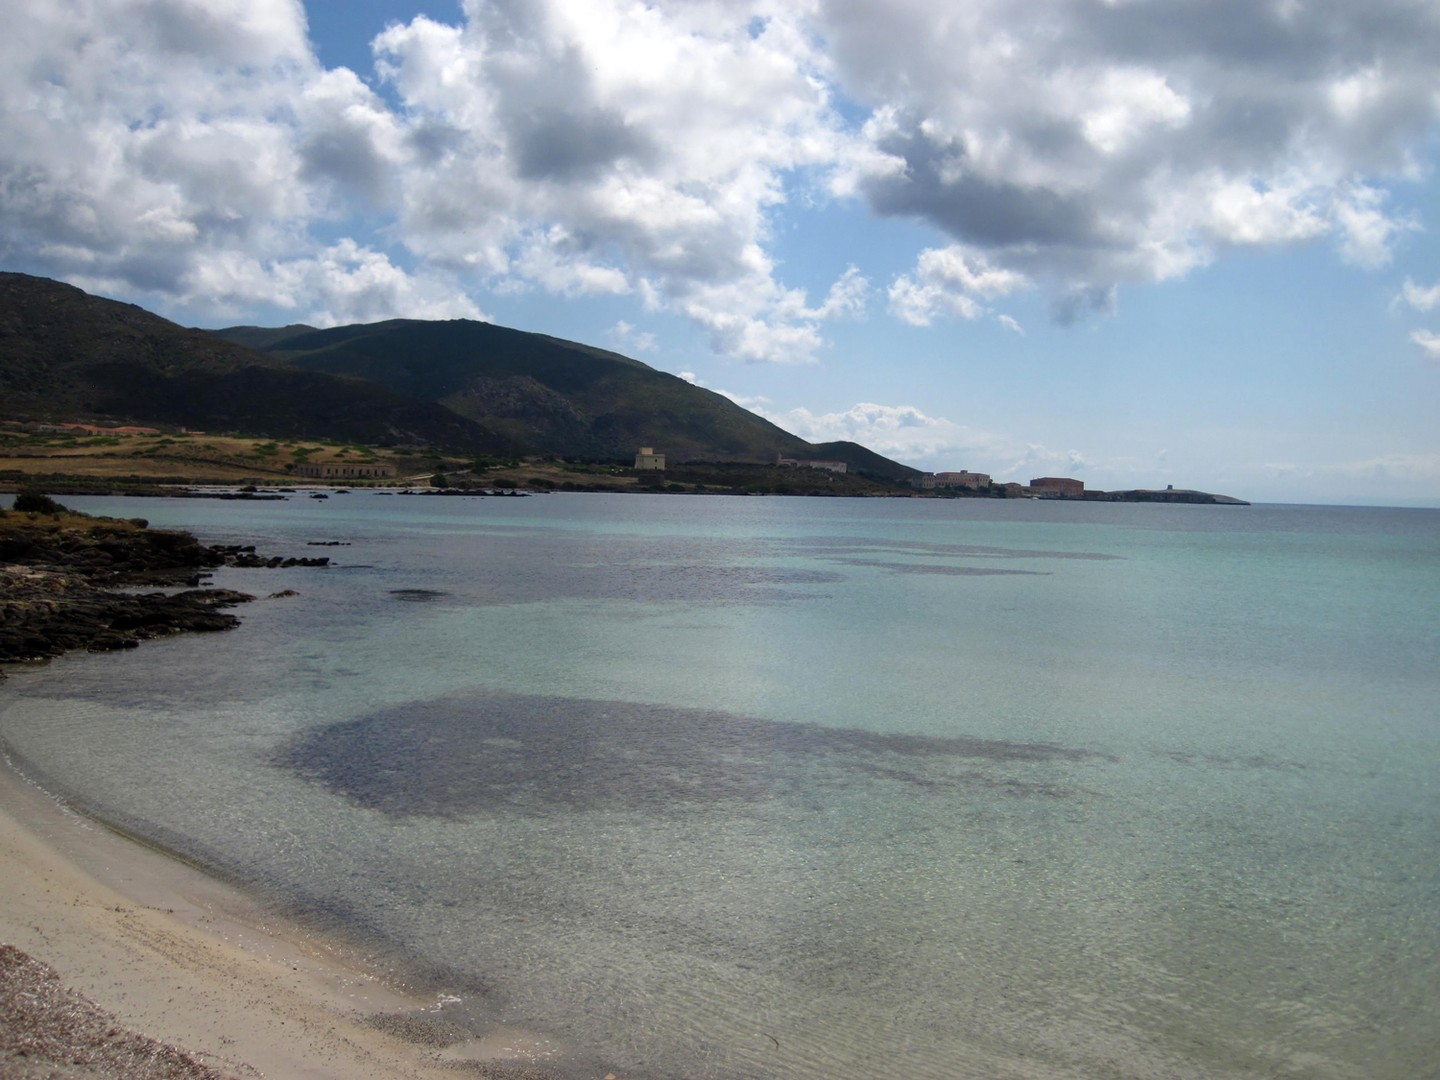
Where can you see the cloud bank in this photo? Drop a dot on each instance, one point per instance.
(197, 152)
(907, 432)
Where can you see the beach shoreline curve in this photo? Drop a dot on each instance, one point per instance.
(193, 962)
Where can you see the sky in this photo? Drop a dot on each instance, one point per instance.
(1136, 242)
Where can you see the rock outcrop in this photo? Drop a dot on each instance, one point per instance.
(69, 582)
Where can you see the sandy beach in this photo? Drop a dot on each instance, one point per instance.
(110, 943)
(179, 957)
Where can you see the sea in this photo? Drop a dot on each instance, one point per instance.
(741, 788)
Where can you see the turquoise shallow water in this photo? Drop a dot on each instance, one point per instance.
(722, 788)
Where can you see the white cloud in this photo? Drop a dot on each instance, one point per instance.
(640, 341)
(1429, 341)
(755, 319)
(846, 297)
(645, 148)
(554, 261)
(1086, 145)
(1245, 212)
(946, 281)
(186, 152)
(161, 148)
(1366, 231)
(958, 268)
(918, 304)
(1421, 297)
(908, 434)
(1122, 102)
(893, 430)
(347, 283)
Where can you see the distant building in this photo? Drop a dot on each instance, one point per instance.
(96, 429)
(812, 463)
(1060, 487)
(344, 470)
(648, 459)
(961, 479)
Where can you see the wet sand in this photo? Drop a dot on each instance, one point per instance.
(164, 950)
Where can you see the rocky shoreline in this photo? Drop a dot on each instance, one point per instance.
(69, 581)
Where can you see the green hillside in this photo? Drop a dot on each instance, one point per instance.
(459, 387)
(67, 355)
(550, 395)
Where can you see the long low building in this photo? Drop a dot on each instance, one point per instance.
(345, 470)
(957, 479)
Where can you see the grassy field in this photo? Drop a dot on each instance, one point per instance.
(180, 457)
(62, 459)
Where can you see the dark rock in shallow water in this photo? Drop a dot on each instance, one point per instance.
(46, 613)
(244, 556)
(228, 496)
(59, 577)
(104, 551)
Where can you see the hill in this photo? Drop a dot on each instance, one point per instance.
(65, 354)
(550, 395)
(461, 387)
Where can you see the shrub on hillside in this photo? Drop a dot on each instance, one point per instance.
(30, 501)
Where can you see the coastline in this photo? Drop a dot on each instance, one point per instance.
(144, 943)
(194, 963)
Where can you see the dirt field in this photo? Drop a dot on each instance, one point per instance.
(189, 458)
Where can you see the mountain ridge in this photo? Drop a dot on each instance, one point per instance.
(459, 386)
(556, 396)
